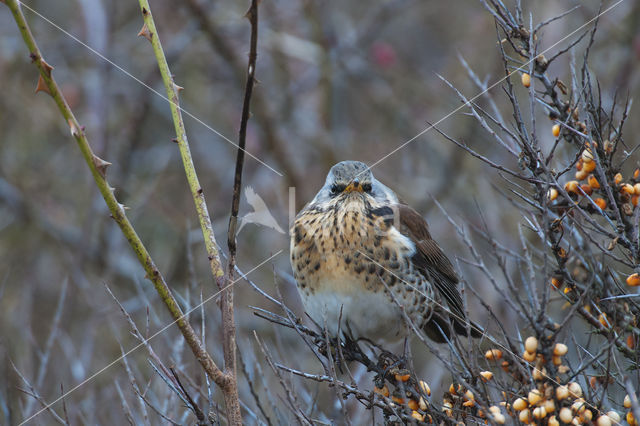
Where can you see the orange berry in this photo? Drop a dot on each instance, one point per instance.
(600, 202)
(519, 404)
(603, 420)
(562, 392)
(593, 182)
(630, 419)
(419, 417)
(397, 400)
(582, 174)
(615, 417)
(549, 406)
(493, 354)
(636, 173)
(634, 200)
(586, 189)
(571, 186)
(566, 416)
(539, 412)
(575, 390)
(556, 130)
(528, 356)
(531, 344)
(633, 280)
(560, 349)
(384, 391)
(556, 282)
(617, 178)
(486, 375)
(552, 194)
(423, 404)
(402, 377)
(636, 188)
(534, 397)
(588, 167)
(525, 416)
(425, 388)
(413, 404)
(526, 79)
(629, 189)
(604, 320)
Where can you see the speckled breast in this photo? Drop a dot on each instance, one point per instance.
(351, 262)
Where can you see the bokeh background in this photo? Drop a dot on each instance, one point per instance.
(338, 80)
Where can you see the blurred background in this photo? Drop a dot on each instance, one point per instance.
(338, 80)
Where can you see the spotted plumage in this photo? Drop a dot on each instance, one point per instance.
(358, 252)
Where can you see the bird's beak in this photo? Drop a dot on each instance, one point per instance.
(353, 186)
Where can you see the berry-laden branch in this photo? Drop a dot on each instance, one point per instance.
(98, 168)
(230, 384)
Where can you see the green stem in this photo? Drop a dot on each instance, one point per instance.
(150, 32)
(230, 390)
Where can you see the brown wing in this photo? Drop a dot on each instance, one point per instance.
(434, 265)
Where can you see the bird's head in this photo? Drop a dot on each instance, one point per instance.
(353, 179)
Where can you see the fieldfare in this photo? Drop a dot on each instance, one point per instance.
(358, 253)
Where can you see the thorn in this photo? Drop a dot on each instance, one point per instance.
(101, 165)
(146, 276)
(73, 128)
(47, 68)
(144, 32)
(256, 82)
(112, 189)
(123, 207)
(177, 88)
(42, 85)
(249, 14)
(174, 140)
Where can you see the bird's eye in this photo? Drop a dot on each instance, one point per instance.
(337, 189)
(366, 187)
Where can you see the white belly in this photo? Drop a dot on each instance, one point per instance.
(364, 314)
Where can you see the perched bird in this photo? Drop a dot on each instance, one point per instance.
(358, 253)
